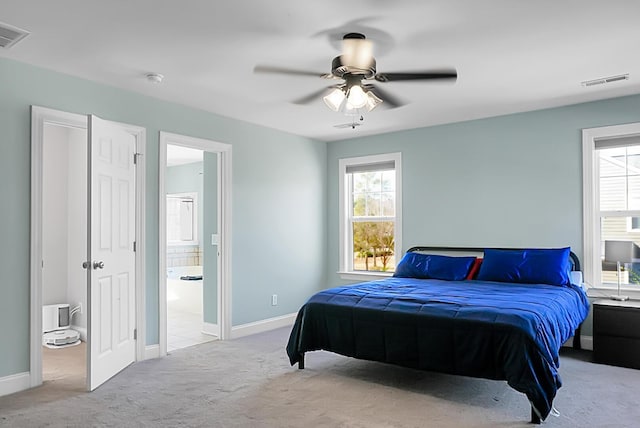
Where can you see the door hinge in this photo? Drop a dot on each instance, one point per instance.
(135, 334)
(135, 158)
(134, 246)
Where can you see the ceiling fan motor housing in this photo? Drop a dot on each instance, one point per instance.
(339, 69)
(356, 58)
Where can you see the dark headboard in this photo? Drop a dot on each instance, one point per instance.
(575, 261)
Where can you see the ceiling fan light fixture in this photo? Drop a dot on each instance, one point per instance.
(334, 99)
(373, 101)
(356, 98)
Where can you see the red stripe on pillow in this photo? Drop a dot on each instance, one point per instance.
(475, 268)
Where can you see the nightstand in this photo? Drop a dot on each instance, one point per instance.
(616, 333)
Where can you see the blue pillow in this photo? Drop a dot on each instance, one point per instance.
(529, 266)
(430, 266)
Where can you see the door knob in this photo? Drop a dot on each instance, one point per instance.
(85, 265)
(98, 265)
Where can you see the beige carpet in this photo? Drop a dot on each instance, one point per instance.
(249, 383)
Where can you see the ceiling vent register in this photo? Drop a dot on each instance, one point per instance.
(9, 35)
(604, 80)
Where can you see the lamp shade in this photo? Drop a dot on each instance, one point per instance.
(372, 101)
(356, 98)
(619, 251)
(334, 99)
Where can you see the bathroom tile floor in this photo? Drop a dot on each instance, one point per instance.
(185, 329)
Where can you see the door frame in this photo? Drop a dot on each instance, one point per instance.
(40, 116)
(224, 230)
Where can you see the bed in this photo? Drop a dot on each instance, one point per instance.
(507, 324)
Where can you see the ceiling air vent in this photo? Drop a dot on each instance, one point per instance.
(9, 35)
(604, 80)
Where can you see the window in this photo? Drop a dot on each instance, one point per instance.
(370, 214)
(611, 168)
(182, 219)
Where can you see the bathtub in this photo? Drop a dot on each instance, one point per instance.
(184, 296)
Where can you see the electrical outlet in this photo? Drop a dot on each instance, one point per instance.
(274, 299)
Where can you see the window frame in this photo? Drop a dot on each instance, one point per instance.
(592, 265)
(346, 270)
(195, 227)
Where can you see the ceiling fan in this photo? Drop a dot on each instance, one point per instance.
(356, 67)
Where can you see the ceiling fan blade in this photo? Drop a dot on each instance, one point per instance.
(391, 101)
(312, 96)
(289, 71)
(424, 75)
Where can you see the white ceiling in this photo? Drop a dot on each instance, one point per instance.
(180, 155)
(511, 55)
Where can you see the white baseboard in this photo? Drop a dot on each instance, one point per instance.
(151, 351)
(211, 329)
(262, 326)
(586, 342)
(14, 383)
(82, 331)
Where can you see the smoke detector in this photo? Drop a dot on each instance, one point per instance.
(154, 77)
(10, 35)
(604, 80)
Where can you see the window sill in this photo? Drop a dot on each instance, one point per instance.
(606, 292)
(183, 243)
(364, 276)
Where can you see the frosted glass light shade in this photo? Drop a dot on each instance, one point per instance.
(372, 101)
(334, 99)
(356, 97)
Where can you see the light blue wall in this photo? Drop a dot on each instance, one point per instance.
(262, 206)
(279, 200)
(513, 180)
(210, 226)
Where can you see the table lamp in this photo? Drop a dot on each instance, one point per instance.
(619, 252)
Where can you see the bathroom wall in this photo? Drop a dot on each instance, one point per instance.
(54, 213)
(65, 219)
(77, 225)
(184, 255)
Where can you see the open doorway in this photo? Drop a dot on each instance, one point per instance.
(64, 247)
(194, 241)
(191, 318)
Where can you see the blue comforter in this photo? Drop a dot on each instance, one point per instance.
(492, 330)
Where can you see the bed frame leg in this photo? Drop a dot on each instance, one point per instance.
(301, 361)
(535, 419)
(576, 338)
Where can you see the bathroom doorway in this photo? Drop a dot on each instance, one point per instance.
(185, 200)
(192, 263)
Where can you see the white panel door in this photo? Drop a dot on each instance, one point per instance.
(111, 290)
